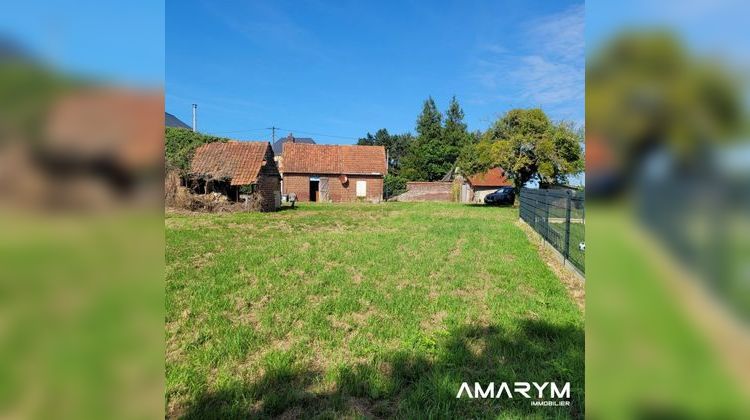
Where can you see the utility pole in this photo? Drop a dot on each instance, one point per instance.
(273, 133)
(195, 117)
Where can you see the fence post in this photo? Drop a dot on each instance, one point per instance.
(546, 217)
(566, 254)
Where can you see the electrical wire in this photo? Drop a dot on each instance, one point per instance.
(290, 130)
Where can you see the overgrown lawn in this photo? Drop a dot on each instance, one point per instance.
(363, 311)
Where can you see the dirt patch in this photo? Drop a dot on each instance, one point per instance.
(246, 312)
(433, 295)
(282, 344)
(248, 276)
(292, 413)
(476, 346)
(434, 322)
(508, 258)
(573, 284)
(357, 278)
(362, 406)
(456, 252)
(200, 261)
(361, 318)
(339, 324)
(526, 290)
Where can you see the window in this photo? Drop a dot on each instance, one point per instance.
(361, 188)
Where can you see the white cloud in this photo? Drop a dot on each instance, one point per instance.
(265, 24)
(560, 35)
(549, 69)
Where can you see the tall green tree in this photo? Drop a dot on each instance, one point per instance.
(430, 156)
(474, 158)
(527, 145)
(645, 91)
(455, 134)
(396, 145)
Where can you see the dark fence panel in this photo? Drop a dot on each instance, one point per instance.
(559, 217)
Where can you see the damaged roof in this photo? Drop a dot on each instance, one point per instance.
(333, 159)
(238, 161)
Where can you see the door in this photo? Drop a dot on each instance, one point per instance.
(324, 192)
(314, 190)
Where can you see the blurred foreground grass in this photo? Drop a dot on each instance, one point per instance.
(645, 357)
(81, 310)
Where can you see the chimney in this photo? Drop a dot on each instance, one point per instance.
(291, 136)
(195, 117)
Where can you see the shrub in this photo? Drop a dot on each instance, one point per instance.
(393, 185)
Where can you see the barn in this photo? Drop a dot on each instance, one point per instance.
(333, 173)
(236, 168)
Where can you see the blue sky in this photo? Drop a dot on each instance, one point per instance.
(92, 39)
(343, 68)
(715, 27)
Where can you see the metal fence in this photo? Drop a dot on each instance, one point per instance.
(559, 217)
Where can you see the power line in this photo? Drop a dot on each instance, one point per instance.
(273, 133)
(241, 131)
(274, 128)
(318, 134)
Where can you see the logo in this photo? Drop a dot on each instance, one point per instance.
(544, 394)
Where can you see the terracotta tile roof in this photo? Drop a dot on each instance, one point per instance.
(121, 124)
(239, 161)
(599, 154)
(332, 159)
(495, 177)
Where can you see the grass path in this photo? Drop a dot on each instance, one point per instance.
(362, 311)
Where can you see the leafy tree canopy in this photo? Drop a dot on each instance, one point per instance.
(437, 146)
(393, 185)
(644, 90)
(180, 145)
(397, 145)
(527, 145)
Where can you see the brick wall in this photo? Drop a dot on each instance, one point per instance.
(298, 184)
(338, 192)
(269, 182)
(427, 191)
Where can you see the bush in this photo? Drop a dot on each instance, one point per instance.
(393, 185)
(179, 197)
(180, 145)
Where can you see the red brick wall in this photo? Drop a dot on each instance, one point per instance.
(298, 184)
(267, 186)
(428, 191)
(338, 192)
(269, 182)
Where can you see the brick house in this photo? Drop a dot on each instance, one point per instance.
(233, 168)
(333, 173)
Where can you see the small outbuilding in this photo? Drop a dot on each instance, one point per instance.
(237, 168)
(333, 173)
(487, 182)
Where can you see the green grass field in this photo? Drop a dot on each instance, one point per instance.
(362, 311)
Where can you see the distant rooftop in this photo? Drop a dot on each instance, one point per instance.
(172, 121)
(278, 145)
